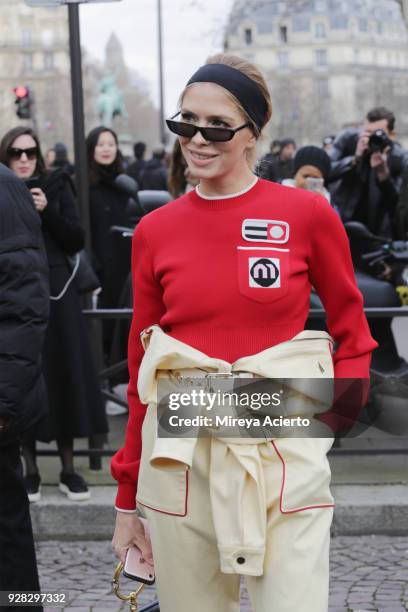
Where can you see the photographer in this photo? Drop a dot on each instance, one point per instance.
(367, 166)
(24, 307)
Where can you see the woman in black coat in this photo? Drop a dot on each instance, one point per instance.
(75, 404)
(109, 206)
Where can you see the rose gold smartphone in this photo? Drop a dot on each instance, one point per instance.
(136, 567)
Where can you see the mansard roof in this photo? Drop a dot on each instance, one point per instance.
(265, 12)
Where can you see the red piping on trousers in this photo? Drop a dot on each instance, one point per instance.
(170, 513)
(283, 486)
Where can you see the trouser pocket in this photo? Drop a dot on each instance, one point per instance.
(306, 473)
(163, 490)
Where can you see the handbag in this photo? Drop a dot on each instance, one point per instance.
(82, 274)
(86, 280)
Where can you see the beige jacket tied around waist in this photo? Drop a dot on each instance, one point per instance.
(239, 509)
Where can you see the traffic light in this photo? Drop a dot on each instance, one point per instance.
(23, 102)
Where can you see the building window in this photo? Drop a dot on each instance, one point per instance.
(28, 61)
(363, 25)
(323, 88)
(248, 36)
(49, 61)
(320, 6)
(356, 56)
(321, 57)
(27, 38)
(283, 30)
(283, 59)
(320, 30)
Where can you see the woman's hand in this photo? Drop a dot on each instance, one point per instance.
(129, 531)
(40, 200)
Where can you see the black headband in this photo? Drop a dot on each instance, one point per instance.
(242, 87)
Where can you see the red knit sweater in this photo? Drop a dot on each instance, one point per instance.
(232, 277)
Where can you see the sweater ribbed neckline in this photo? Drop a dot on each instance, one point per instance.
(223, 202)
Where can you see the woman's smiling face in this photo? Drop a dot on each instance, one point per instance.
(208, 105)
(106, 149)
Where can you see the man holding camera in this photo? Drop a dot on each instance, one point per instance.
(367, 166)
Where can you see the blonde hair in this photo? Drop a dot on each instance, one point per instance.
(252, 72)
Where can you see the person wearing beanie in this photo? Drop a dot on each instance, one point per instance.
(313, 162)
(311, 170)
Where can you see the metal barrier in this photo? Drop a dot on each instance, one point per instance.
(96, 451)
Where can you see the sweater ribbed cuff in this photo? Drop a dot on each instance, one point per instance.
(126, 496)
(125, 511)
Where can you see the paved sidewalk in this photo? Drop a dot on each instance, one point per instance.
(368, 573)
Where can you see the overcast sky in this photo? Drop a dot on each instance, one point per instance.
(192, 29)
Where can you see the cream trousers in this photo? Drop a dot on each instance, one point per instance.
(218, 508)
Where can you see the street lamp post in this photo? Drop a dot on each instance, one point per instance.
(81, 163)
(162, 130)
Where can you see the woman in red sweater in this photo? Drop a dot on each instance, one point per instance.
(193, 275)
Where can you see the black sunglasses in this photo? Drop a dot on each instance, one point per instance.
(188, 130)
(15, 153)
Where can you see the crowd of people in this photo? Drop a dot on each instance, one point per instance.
(363, 172)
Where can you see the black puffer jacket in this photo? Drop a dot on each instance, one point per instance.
(24, 307)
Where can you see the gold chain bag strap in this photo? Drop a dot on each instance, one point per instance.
(132, 597)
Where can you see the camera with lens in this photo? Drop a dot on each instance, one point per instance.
(378, 142)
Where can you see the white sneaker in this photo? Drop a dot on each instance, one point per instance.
(114, 409)
(74, 486)
(121, 391)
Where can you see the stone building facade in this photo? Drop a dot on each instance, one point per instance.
(34, 52)
(327, 61)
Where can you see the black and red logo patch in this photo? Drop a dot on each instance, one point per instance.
(265, 230)
(264, 272)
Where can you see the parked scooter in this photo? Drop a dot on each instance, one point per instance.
(388, 404)
(372, 254)
(387, 407)
(140, 204)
